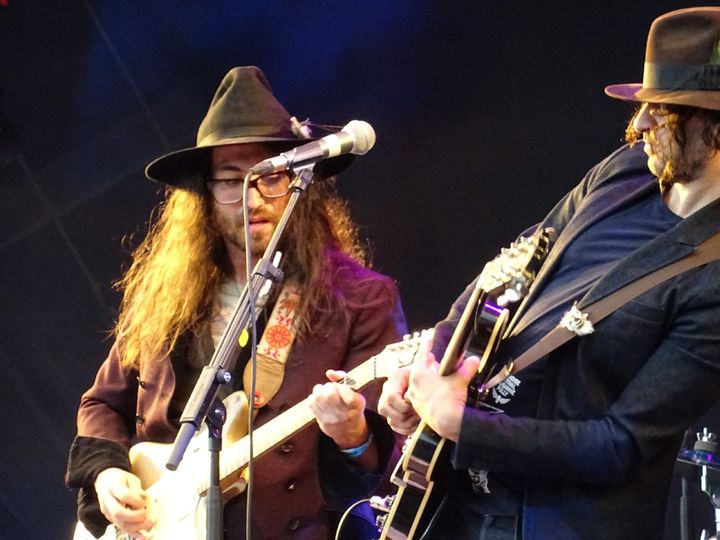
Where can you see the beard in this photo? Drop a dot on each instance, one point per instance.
(232, 230)
(676, 164)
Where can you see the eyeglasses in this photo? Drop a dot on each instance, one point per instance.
(230, 190)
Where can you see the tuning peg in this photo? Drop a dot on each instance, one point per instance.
(510, 296)
(381, 504)
(706, 436)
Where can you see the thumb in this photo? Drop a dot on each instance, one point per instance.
(468, 368)
(133, 482)
(335, 375)
(134, 491)
(425, 349)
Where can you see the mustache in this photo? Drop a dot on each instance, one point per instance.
(255, 215)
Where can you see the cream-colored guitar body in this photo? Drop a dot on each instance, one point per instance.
(178, 509)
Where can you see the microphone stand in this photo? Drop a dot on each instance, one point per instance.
(704, 454)
(204, 393)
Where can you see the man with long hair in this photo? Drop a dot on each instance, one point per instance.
(587, 435)
(329, 314)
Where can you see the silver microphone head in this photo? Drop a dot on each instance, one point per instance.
(363, 136)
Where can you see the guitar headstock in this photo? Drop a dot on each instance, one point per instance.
(404, 351)
(389, 360)
(510, 274)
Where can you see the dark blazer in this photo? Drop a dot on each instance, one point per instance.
(123, 407)
(598, 459)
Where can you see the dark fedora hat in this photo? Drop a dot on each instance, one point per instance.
(682, 61)
(244, 110)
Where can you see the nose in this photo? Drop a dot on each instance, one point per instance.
(643, 120)
(254, 198)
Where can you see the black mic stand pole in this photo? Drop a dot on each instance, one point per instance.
(216, 372)
(215, 420)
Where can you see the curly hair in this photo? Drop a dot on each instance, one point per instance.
(681, 168)
(169, 288)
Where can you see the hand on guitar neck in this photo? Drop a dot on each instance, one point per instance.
(340, 414)
(419, 391)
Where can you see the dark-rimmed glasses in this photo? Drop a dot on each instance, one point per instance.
(230, 190)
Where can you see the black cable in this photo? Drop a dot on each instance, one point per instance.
(253, 360)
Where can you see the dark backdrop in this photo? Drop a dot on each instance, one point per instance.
(486, 112)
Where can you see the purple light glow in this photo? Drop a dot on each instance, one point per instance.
(494, 308)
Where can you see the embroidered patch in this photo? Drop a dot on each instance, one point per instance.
(278, 336)
(280, 332)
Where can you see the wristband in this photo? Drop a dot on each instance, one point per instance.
(358, 450)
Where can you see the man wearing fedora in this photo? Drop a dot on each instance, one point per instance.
(329, 314)
(588, 435)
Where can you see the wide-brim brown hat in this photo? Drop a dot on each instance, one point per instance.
(682, 61)
(243, 110)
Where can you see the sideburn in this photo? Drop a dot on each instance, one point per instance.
(695, 150)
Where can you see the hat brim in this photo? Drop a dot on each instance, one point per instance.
(176, 166)
(702, 99)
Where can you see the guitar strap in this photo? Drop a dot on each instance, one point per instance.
(274, 347)
(579, 323)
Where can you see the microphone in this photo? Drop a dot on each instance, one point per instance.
(357, 137)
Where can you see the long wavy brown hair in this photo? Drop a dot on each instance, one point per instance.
(170, 286)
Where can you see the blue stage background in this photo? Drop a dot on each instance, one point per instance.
(486, 112)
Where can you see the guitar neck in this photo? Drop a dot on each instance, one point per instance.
(461, 335)
(266, 437)
(236, 456)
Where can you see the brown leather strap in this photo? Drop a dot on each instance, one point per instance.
(707, 251)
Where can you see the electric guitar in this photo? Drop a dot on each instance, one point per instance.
(177, 499)
(420, 473)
